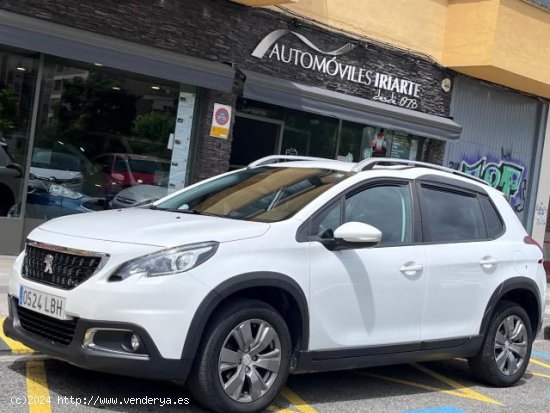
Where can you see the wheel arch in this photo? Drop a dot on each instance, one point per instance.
(278, 290)
(521, 290)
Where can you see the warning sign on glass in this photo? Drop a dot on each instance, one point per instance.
(221, 121)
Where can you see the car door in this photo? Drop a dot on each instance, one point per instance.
(364, 297)
(466, 263)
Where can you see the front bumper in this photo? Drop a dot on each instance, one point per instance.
(152, 367)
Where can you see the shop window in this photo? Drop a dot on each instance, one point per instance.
(99, 133)
(309, 134)
(315, 135)
(17, 84)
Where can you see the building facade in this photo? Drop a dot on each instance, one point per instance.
(110, 104)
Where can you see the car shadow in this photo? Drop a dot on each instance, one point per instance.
(69, 385)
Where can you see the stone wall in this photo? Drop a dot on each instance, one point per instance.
(219, 30)
(224, 31)
(211, 155)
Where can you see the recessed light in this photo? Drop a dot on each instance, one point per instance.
(21, 68)
(155, 87)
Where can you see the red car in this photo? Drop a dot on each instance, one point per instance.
(123, 170)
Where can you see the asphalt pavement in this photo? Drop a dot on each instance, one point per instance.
(30, 382)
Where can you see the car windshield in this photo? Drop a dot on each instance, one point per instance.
(44, 158)
(265, 194)
(145, 166)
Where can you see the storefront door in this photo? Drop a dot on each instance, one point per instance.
(253, 138)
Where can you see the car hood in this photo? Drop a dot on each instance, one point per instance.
(153, 227)
(143, 192)
(55, 173)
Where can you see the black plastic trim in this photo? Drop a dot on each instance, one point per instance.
(515, 283)
(318, 361)
(451, 183)
(155, 367)
(234, 285)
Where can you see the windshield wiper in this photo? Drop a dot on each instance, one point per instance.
(186, 211)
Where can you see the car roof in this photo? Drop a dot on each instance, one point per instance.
(135, 156)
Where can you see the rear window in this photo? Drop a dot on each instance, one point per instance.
(494, 224)
(450, 216)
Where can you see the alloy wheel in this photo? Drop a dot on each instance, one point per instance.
(511, 343)
(250, 360)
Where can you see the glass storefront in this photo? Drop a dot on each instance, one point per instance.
(314, 135)
(18, 73)
(102, 139)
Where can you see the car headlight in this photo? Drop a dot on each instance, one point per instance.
(60, 190)
(167, 262)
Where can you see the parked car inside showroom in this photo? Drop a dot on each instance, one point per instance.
(290, 265)
(138, 195)
(123, 170)
(10, 179)
(58, 167)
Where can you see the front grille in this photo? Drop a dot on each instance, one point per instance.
(60, 269)
(57, 331)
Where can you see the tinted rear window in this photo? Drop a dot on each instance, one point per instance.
(451, 216)
(492, 219)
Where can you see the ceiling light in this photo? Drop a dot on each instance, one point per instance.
(116, 88)
(98, 64)
(21, 68)
(155, 87)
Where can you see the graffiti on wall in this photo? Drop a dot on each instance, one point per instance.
(507, 175)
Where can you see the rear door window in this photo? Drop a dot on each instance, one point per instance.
(451, 216)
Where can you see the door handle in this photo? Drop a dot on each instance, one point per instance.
(411, 268)
(488, 262)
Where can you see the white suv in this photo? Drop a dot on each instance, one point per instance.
(291, 265)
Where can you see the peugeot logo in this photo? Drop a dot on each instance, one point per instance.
(48, 260)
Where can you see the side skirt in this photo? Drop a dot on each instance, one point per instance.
(330, 360)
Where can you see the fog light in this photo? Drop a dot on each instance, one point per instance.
(134, 343)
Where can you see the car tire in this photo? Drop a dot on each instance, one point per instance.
(233, 384)
(506, 348)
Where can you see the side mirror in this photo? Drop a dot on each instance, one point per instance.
(354, 235)
(16, 167)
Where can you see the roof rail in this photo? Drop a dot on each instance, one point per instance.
(370, 163)
(289, 158)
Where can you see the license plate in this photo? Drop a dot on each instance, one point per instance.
(43, 303)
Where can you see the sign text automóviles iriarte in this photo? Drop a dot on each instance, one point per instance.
(332, 67)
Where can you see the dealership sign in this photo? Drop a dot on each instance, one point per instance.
(389, 88)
